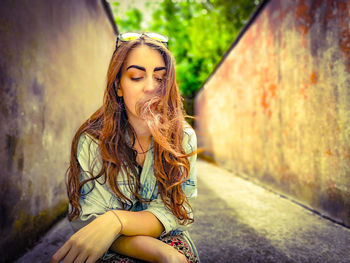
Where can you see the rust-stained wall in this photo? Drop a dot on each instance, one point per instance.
(53, 64)
(278, 106)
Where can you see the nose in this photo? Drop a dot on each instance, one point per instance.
(150, 84)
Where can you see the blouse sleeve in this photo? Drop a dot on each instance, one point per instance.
(95, 202)
(157, 207)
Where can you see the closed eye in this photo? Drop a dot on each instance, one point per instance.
(135, 79)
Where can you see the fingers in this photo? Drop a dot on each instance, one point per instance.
(81, 258)
(71, 256)
(88, 255)
(69, 253)
(59, 255)
(80, 253)
(92, 259)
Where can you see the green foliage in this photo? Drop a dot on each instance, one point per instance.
(200, 32)
(132, 22)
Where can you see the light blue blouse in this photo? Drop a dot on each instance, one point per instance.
(102, 199)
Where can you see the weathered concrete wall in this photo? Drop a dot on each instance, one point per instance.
(277, 108)
(53, 64)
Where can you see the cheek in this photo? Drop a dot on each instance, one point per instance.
(130, 103)
(132, 89)
(130, 96)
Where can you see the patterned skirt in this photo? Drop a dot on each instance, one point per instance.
(178, 242)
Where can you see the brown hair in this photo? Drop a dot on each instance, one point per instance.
(109, 125)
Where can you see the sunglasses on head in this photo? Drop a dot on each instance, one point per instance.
(130, 36)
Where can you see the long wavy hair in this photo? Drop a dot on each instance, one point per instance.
(109, 126)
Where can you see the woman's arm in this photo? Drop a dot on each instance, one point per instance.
(142, 223)
(89, 243)
(147, 248)
(139, 231)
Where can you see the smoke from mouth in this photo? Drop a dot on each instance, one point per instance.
(150, 110)
(159, 119)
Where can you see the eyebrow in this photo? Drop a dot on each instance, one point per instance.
(143, 69)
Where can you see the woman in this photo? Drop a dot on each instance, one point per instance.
(132, 169)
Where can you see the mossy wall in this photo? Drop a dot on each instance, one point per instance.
(53, 64)
(277, 109)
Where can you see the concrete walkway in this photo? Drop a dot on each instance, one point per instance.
(238, 221)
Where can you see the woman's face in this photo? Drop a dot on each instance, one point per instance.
(142, 73)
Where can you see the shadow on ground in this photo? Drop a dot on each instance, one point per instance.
(220, 237)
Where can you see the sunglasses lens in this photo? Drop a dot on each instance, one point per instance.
(157, 37)
(129, 36)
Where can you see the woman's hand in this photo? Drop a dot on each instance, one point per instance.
(91, 242)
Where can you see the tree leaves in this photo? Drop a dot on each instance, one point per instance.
(200, 32)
